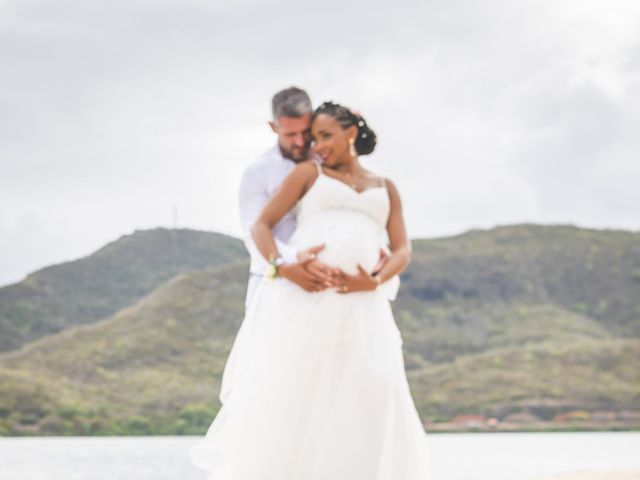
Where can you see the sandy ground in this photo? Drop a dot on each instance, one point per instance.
(626, 475)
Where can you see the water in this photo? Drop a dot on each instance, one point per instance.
(476, 456)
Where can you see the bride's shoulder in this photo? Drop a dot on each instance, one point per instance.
(307, 167)
(387, 183)
(306, 170)
(302, 175)
(394, 195)
(384, 181)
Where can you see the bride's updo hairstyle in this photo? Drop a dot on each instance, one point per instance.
(365, 138)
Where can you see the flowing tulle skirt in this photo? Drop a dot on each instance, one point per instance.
(315, 389)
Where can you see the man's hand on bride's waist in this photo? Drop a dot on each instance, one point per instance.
(311, 274)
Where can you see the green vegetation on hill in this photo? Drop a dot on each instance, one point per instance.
(542, 319)
(590, 272)
(151, 368)
(94, 287)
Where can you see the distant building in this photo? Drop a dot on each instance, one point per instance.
(469, 420)
(492, 422)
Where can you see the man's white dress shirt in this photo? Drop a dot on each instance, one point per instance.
(259, 182)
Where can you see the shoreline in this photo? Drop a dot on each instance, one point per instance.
(430, 429)
(542, 427)
(604, 475)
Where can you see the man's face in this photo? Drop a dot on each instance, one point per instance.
(294, 136)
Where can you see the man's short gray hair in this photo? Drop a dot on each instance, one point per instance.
(290, 102)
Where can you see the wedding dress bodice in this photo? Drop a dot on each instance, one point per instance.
(348, 222)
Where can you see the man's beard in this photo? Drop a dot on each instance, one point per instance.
(297, 154)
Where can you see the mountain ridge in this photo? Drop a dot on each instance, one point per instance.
(493, 323)
(95, 286)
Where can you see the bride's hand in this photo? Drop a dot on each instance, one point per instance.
(383, 259)
(326, 275)
(363, 281)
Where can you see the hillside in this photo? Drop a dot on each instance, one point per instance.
(86, 290)
(537, 319)
(151, 362)
(510, 286)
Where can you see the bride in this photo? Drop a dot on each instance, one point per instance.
(314, 387)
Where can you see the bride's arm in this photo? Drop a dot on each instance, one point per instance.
(309, 273)
(292, 188)
(399, 243)
(400, 250)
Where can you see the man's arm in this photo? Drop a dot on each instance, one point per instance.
(300, 267)
(253, 196)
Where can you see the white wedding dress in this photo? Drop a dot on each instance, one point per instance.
(314, 387)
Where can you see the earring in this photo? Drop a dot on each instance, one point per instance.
(352, 148)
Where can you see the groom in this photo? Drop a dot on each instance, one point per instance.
(291, 122)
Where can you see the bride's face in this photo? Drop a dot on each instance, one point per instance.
(330, 141)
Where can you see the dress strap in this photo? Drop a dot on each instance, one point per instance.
(317, 162)
(382, 182)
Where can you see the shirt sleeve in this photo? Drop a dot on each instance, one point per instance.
(253, 196)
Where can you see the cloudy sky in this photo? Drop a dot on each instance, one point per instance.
(123, 115)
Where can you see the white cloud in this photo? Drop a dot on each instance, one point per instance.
(113, 112)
